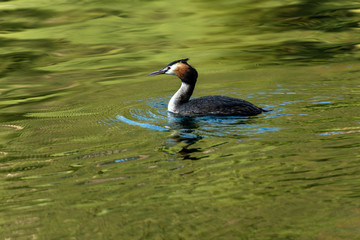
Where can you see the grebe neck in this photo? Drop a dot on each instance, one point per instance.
(180, 97)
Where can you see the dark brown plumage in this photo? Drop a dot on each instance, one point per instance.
(219, 106)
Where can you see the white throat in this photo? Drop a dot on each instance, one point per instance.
(180, 97)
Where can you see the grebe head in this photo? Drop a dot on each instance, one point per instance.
(181, 69)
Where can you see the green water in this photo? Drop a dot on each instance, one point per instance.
(87, 150)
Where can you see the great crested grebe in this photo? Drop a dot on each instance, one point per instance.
(181, 104)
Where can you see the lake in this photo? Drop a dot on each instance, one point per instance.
(89, 151)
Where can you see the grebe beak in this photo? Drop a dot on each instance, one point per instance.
(162, 71)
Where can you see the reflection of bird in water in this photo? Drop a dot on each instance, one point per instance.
(183, 137)
(181, 104)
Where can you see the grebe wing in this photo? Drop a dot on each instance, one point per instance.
(219, 105)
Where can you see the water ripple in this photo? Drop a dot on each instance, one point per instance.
(154, 116)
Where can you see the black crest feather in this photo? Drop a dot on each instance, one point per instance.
(181, 60)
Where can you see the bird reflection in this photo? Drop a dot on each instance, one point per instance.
(187, 131)
(183, 137)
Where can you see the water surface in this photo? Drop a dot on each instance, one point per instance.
(88, 150)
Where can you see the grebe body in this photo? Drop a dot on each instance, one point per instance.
(181, 104)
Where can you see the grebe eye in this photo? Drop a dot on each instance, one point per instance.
(168, 68)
